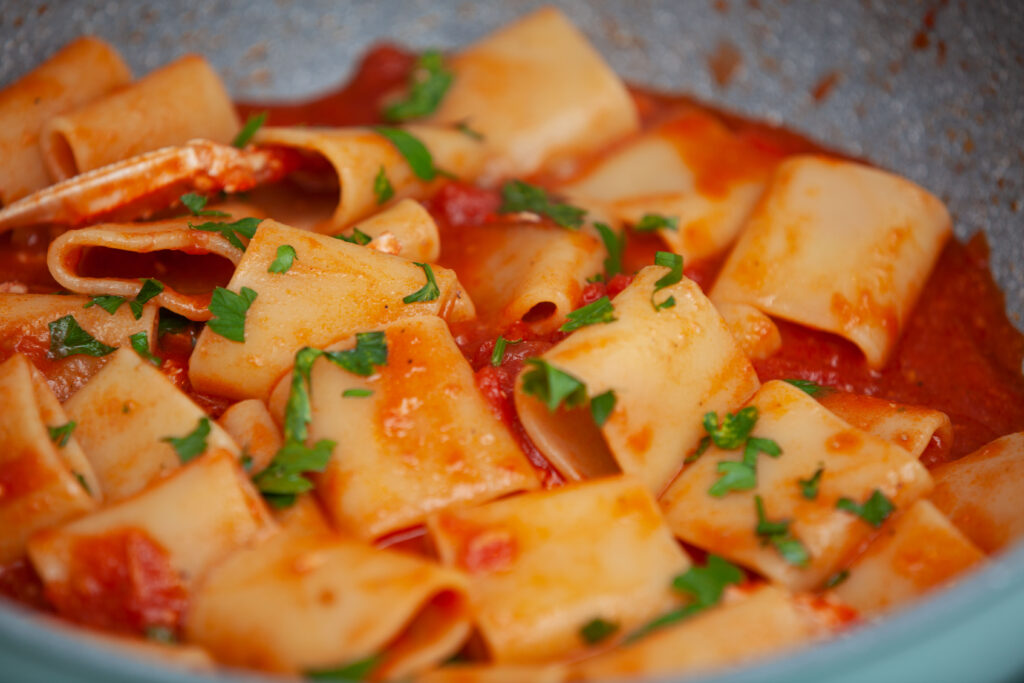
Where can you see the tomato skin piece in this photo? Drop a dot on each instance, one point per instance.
(121, 581)
(460, 204)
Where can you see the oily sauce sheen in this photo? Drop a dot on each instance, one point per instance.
(959, 353)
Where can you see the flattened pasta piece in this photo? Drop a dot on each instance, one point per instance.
(764, 621)
(127, 413)
(359, 155)
(405, 229)
(65, 259)
(415, 437)
(159, 521)
(666, 367)
(250, 425)
(575, 104)
(802, 533)
(44, 478)
(300, 603)
(170, 106)
(913, 428)
(545, 564)
(920, 551)
(494, 673)
(332, 290)
(691, 169)
(840, 247)
(519, 271)
(83, 70)
(981, 492)
(25, 328)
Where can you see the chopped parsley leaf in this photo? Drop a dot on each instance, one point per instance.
(706, 584)
(354, 671)
(150, 288)
(108, 302)
(735, 476)
(778, 534)
(196, 203)
(518, 196)
(285, 476)
(614, 244)
(252, 124)
(415, 152)
(428, 83)
(601, 406)
(702, 447)
(358, 237)
(429, 291)
(463, 127)
(498, 354)
(171, 323)
(82, 482)
(284, 259)
(232, 232)
(674, 262)
(140, 343)
(229, 310)
(809, 487)
(357, 393)
(596, 630)
(808, 387)
(756, 445)
(655, 221)
(371, 349)
(600, 311)
(193, 443)
(382, 187)
(874, 511)
(67, 338)
(733, 431)
(837, 578)
(61, 434)
(552, 386)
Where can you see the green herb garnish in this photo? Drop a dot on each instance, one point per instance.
(596, 630)
(874, 511)
(284, 259)
(614, 244)
(382, 187)
(232, 232)
(518, 196)
(358, 237)
(67, 338)
(252, 124)
(62, 434)
(140, 343)
(809, 487)
(229, 310)
(674, 262)
(808, 387)
(600, 311)
(415, 152)
(778, 534)
(552, 386)
(429, 291)
(193, 443)
(601, 406)
(498, 354)
(196, 204)
(655, 221)
(428, 83)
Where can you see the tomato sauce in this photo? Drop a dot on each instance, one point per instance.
(120, 581)
(959, 353)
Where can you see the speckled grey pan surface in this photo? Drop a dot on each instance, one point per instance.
(932, 90)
